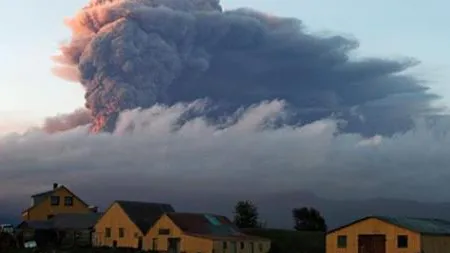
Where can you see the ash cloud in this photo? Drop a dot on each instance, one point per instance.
(135, 54)
(64, 122)
(182, 161)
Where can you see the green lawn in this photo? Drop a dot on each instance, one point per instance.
(289, 241)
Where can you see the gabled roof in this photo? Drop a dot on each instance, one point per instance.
(427, 226)
(144, 214)
(64, 221)
(75, 220)
(208, 225)
(41, 197)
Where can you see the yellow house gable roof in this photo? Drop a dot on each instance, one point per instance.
(41, 197)
(143, 214)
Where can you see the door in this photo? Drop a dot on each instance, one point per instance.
(139, 246)
(371, 244)
(173, 245)
(233, 247)
(252, 247)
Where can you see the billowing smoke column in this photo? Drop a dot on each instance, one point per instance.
(136, 53)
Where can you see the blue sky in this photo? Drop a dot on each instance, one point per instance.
(32, 31)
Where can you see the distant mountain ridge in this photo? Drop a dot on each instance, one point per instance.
(276, 208)
(340, 212)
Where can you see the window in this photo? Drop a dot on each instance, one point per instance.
(224, 245)
(107, 232)
(402, 241)
(68, 201)
(261, 247)
(164, 231)
(242, 245)
(121, 232)
(54, 200)
(342, 241)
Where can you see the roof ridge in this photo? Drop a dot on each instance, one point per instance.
(197, 213)
(140, 202)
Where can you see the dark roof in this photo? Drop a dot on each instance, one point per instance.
(420, 225)
(75, 220)
(207, 225)
(64, 221)
(46, 193)
(144, 214)
(36, 224)
(428, 226)
(40, 197)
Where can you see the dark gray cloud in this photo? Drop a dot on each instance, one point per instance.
(201, 166)
(130, 54)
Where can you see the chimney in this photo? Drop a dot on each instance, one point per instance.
(55, 185)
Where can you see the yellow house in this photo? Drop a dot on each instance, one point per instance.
(380, 234)
(59, 200)
(201, 233)
(125, 223)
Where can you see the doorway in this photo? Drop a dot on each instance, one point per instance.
(233, 247)
(139, 246)
(371, 244)
(173, 245)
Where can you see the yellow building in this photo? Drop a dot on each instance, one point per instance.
(125, 223)
(201, 233)
(379, 234)
(59, 200)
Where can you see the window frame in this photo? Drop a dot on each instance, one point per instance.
(164, 231)
(341, 241)
(108, 232)
(55, 200)
(121, 232)
(405, 243)
(66, 203)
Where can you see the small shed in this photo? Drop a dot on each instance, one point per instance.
(382, 234)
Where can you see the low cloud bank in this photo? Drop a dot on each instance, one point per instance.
(159, 152)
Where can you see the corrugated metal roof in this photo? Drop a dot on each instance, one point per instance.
(420, 225)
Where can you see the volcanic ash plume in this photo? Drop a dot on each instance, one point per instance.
(138, 53)
(64, 122)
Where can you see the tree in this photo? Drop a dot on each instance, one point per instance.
(246, 215)
(308, 219)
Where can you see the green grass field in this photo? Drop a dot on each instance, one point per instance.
(288, 241)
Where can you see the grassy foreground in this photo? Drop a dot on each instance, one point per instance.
(283, 241)
(289, 241)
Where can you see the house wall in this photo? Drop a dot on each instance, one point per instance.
(262, 246)
(115, 218)
(44, 209)
(435, 244)
(373, 226)
(188, 244)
